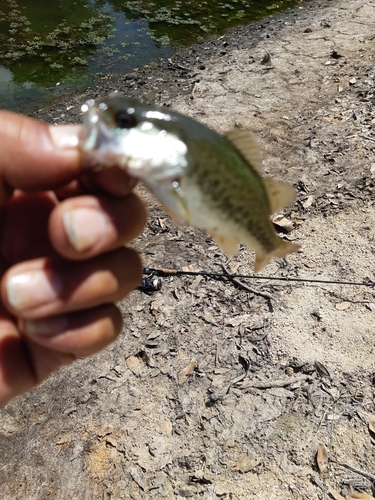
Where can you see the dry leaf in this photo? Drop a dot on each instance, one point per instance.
(234, 267)
(245, 463)
(367, 418)
(371, 427)
(67, 439)
(144, 357)
(138, 476)
(195, 283)
(188, 370)
(342, 306)
(335, 393)
(210, 318)
(283, 223)
(228, 443)
(153, 335)
(308, 202)
(310, 265)
(336, 495)
(322, 370)
(112, 441)
(328, 119)
(359, 496)
(322, 458)
(238, 320)
(166, 427)
(188, 269)
(134, 364)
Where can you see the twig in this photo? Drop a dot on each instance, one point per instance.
(276, 383)
(321, 420)
(239, 283)
(194, 89)
(177, 65)
(363, 473)
(238, 379)
(216, 352)
(367, 138)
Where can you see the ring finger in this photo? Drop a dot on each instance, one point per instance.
(59, 340)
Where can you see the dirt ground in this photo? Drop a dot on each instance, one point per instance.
(224, 390)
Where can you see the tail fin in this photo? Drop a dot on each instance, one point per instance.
(283, 249)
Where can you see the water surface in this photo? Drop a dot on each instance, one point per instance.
(50, 47)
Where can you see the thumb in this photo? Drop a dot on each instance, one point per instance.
(36, 156)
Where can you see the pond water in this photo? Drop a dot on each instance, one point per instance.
(52, 47)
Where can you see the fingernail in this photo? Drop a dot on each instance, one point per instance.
(85, 227)
(32, 289)
(46, 326)
(65, 136)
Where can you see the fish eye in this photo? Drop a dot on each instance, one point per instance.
(125, 120)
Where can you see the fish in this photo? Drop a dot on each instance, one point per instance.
(211, 181)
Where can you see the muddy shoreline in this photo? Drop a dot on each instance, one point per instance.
(162, 81)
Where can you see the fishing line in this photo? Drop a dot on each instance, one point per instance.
(151, 272)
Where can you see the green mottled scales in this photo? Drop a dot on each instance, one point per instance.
(232, 188)
(212, 181)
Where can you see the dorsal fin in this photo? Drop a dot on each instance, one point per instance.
(279, 194)
(246, 145)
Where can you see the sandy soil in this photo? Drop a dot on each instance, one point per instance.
(223, 390)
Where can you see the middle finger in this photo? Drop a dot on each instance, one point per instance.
(46, 287)
(85, 226)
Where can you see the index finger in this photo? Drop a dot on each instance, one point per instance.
(36, 156)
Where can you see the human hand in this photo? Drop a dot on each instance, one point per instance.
(62, 259)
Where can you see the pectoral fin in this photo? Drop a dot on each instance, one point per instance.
(279, 193)
(172, 199)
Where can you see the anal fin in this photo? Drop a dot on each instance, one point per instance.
(227, 245)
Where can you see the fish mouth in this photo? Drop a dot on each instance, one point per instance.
(96, 142)
(95, 132)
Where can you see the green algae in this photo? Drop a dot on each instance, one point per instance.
(65, 43)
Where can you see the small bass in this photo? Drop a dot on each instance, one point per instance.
(212, 181)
